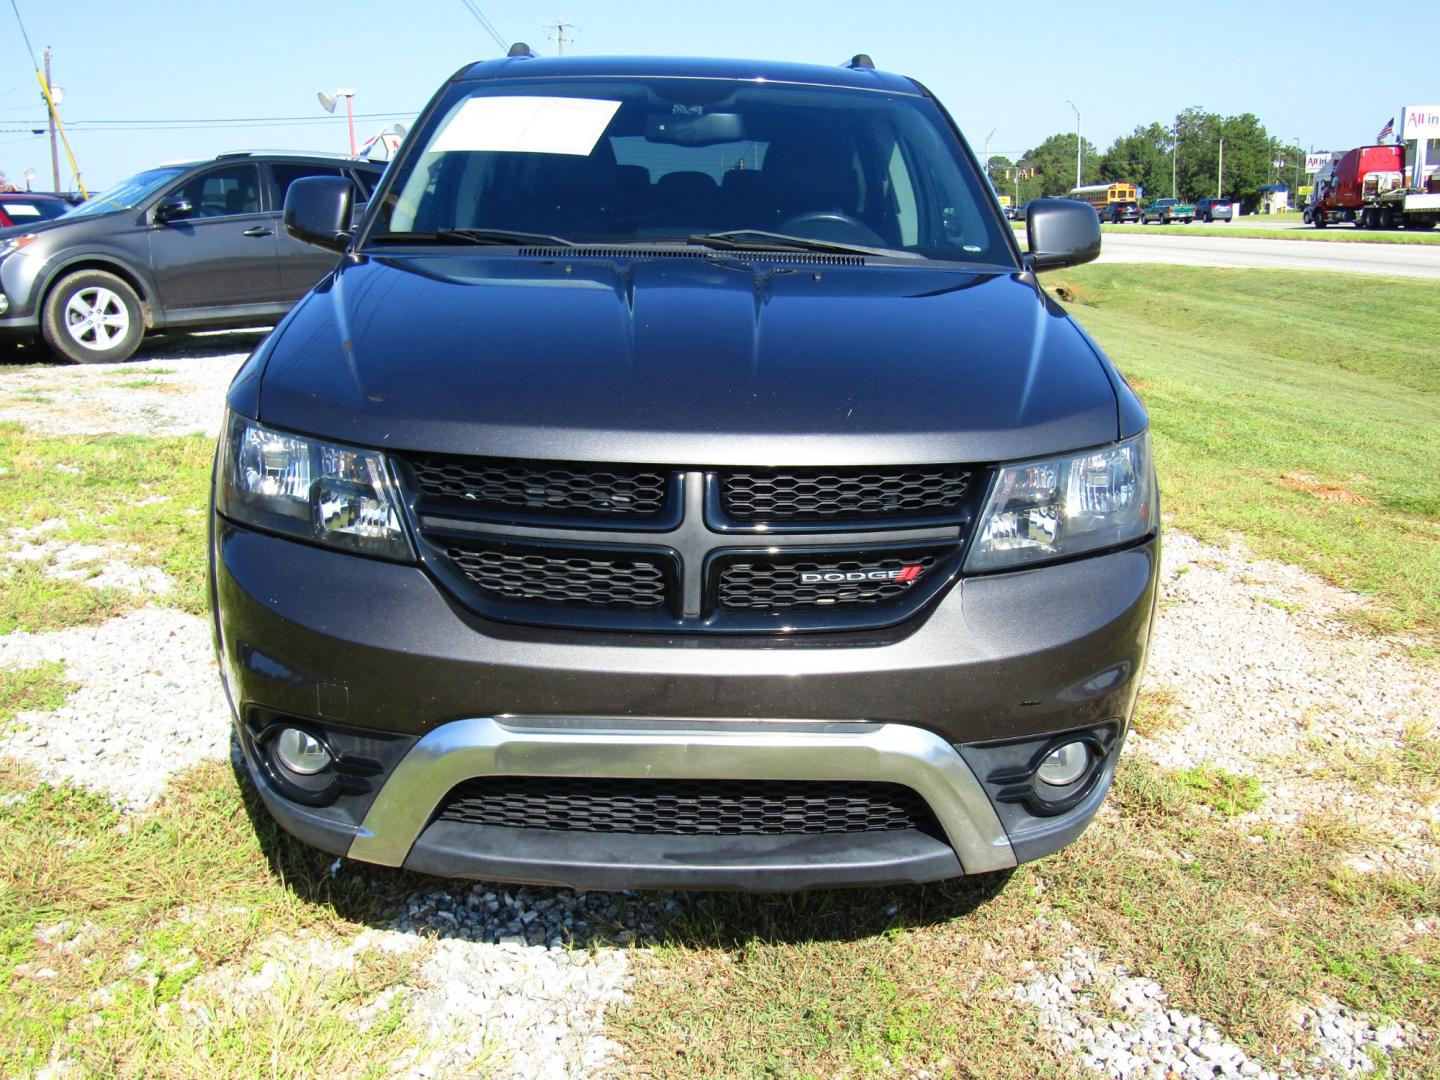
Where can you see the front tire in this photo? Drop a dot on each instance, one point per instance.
(92, 317)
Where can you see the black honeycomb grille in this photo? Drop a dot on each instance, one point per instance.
(778, 585)
(614, 491)
(686, 807)
(832, 494)
(562, 577)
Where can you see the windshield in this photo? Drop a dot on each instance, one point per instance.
(636, 160)
(127, 194)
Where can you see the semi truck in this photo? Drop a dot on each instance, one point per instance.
(1370, 188)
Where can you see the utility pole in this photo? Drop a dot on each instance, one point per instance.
(50, 113)
(1220, 172)
(1079, 145)
(1175, 164)
(559, 35)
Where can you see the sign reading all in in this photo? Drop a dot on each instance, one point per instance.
(1421, 122)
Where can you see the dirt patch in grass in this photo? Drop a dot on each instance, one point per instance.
(1331, 493)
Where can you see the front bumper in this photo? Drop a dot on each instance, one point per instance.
(1000, 662)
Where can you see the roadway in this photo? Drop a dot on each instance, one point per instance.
(1197, 249)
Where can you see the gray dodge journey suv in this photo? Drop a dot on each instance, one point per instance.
(683, 480)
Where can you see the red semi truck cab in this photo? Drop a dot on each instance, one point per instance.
(1362, 174)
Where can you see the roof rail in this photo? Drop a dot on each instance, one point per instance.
(860, 61)
(521, 50)
(279, 153)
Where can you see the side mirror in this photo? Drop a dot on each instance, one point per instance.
(317, 211)
(1061, 233)
(171, 209)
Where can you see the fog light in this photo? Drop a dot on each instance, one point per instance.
(1064, 765)
(301, 752)
(4, 303)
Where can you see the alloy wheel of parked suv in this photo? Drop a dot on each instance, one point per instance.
(93, 318)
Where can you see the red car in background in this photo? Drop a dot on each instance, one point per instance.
(27, 208)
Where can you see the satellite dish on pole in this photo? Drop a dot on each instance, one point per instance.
(327, 101)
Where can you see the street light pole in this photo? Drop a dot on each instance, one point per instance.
(987, 152)
(1079, 146)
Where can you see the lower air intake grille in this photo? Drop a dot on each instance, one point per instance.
(687, 807)
(835, 494)
(562, 577)
(766, 585)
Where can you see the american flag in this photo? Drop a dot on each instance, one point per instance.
(1386, 131)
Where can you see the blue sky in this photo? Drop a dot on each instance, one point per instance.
(163, 61)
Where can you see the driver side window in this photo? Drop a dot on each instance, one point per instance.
(222, 193)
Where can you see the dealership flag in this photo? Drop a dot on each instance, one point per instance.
(1386, 131)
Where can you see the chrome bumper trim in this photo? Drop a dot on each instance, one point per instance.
(519, 746)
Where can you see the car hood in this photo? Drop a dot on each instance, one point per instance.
(685, 360)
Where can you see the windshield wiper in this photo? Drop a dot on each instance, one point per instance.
(472, 236)
(760, 240)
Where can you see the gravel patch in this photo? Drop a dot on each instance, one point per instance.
(1265, 667)
(517, 1011)
(100, 566)
(177, 387)
(1120, 1025)
(148, 703)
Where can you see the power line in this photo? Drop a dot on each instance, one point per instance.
(474, 9)
(28, 47)
(182, 122)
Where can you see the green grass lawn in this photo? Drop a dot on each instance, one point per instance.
(1300, 411)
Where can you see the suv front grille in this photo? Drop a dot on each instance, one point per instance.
(665, 549)
(775, 495)
(562, 577)
(555, 488)
(686, 807)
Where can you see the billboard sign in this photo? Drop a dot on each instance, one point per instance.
(1315, 163)
(1420, 122)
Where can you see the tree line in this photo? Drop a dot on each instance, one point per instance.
(1182, 159)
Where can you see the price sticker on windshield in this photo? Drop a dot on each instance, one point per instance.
(527, 125)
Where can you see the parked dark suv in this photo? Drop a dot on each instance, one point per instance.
(194, 246)
(683, 480)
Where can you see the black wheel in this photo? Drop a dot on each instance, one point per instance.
(92, 317)
(1318, 220)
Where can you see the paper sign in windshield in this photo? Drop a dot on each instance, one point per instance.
(527, 125)
(21, 210)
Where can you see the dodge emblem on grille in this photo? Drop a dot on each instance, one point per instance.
(842, 577)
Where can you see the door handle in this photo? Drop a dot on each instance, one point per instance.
(258, 230)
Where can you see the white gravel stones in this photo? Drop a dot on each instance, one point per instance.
(99, 566)
(1264, 667)
(1120, 1025)
(148, 703)
(177, 389)
(538, 1012)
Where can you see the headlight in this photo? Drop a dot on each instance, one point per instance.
(1063, 506)
(313, 490)
(13, 244)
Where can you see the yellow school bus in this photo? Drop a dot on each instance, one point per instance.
(1113, 202)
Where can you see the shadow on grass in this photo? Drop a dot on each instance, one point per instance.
(380, 896)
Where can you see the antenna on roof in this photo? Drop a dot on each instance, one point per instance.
(860, 60)
(521, 49)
